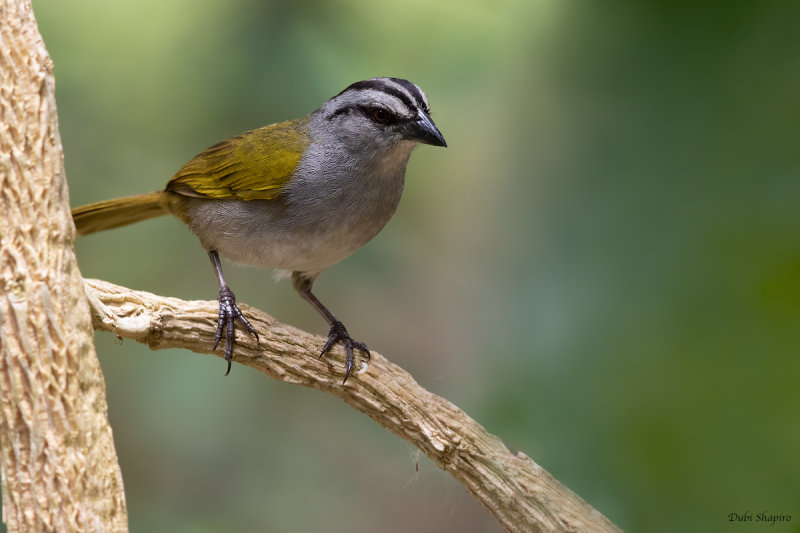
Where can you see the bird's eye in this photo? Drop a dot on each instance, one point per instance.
(380, 115)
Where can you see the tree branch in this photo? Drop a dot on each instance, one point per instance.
(517, 491)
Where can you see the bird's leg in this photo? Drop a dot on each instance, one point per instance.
(228, 313)
(302, 284)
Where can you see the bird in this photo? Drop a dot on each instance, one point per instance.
(295, 196)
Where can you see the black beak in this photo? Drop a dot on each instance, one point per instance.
(422, 129)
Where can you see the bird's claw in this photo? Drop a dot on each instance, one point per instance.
(339, 333)
(229, 313)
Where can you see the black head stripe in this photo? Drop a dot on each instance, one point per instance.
(382, 86)
(413, 90)
(340, 111)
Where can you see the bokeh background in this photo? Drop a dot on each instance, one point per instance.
(603, 267)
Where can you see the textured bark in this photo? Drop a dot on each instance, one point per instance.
(59, 466)
(517, 491)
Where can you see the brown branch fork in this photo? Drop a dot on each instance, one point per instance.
(519, 493)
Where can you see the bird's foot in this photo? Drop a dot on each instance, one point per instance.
(339, 333)
(229, 313)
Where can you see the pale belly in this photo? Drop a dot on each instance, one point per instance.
(267, 235)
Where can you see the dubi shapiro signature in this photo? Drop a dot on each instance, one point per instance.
(762, 517)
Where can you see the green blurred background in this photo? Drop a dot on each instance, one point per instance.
(603, 268)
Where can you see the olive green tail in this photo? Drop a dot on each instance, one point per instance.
(118, 212)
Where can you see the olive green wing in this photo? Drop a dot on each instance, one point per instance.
(252, 166)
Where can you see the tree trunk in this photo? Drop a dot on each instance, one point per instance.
(59, 465)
